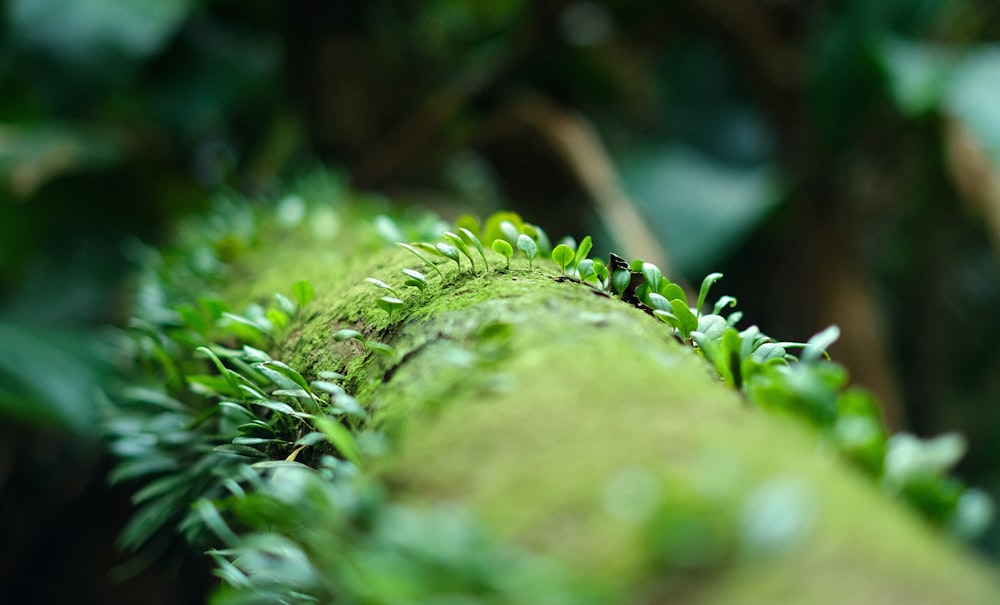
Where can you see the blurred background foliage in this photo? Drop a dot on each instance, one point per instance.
(838, 160)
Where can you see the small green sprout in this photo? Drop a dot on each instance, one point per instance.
(601, 271)
(585, 269)
(278, 318)
(340, 437)
(510, 231)
(449, 251)
(653, 276)
(389, 304)
(563, 256)
(478, 245)
(504, 249)
(674, 292)
(381, 284)
(582, 251)
(620, 280)
(369, 345)
(706, 285)
(421, 256)
(284, 305)
(528, 246)
(416, 279)
(818, 344)
(459, 243)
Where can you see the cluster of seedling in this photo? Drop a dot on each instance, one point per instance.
(505, 231)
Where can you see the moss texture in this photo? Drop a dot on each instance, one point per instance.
(573, 424)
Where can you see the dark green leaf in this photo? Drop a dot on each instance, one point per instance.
(213, 520)
(239, 450)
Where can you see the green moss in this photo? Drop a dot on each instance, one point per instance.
(588, 388)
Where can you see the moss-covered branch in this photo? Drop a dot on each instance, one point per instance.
(521, 437)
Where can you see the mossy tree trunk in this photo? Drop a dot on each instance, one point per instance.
(568, 423)
(575, 425)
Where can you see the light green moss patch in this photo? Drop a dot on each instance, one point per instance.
(535, 441)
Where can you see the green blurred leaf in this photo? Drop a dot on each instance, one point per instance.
(702, 207)
(303, 292)
(84, 30)
(972, 98)
(50, 377)
(917, 73)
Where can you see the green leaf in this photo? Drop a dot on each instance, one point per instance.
(528, 246)
(303, 292)
(654, 278)
(381, 348)
(459, 243)
(417, 279)
(585, 269)
(563, 256)
(478, 245)
(289, 372)
(255, 355)
(582, 251)
(917, 73)
(722, 303)
(492, 227)
(706, 285)
(286, 306)
(262, 327)
(341, 438)
(449, 251)
(213, 520)
(620, 280)
(510, 231)
(818, 344)
(140, 467)
(277, 318)
(659, 302)
(223, 370)
(278, 406)
(674, 292)
(689, 322)
(309, 439)
(243, 451)
(381, 284)
(344, 334)
(504, 249)
(601, 271)
(389, 303)
(421, 256)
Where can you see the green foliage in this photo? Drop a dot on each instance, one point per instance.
(421, 256)
(459, 243)
(563, 256)
(416, 279)
(504, 249)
